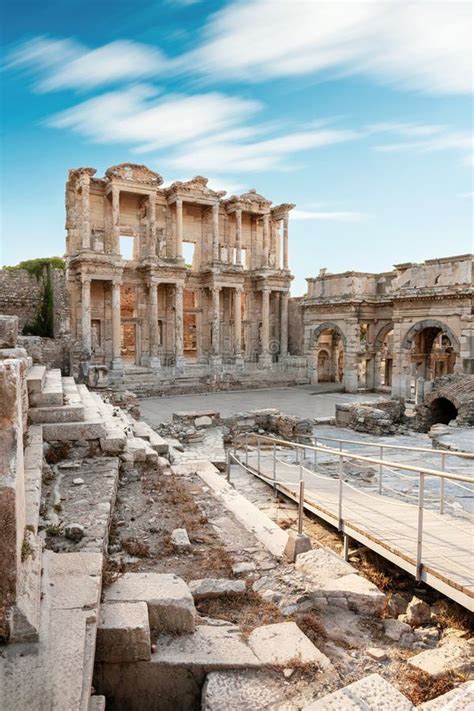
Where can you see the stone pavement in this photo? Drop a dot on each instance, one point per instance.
(302, 401)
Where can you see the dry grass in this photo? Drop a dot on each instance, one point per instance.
(112, 570)
(136, 548)
(449, 614)
(286, 523)
(248, 611)
(57, 453)
(311, 624)
(419, 686)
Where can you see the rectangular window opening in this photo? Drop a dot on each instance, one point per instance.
(126, 247)
(188, 254)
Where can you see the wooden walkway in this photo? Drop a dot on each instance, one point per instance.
(387, 526)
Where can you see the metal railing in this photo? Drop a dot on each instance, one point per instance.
(301, 449)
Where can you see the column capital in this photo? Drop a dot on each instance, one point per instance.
(239, 288)
(116, 282)
(86, 278)
(216, 288)
(266, 289)
(179, 202)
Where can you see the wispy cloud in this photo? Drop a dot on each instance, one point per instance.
(331, 216)
(58, 64)
(418, 45)
(443, 141)
(468, 195)
(138, 117)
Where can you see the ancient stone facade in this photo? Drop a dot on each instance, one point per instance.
(398, 329)
(205, 279)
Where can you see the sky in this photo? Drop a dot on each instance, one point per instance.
(360, 113)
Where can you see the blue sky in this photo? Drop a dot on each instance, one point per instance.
(358, 112)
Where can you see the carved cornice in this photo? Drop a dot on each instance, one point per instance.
(198, 185)
(134, 173)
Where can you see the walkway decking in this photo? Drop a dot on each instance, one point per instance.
(385, 525)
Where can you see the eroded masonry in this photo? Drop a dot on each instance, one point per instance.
(175, 276)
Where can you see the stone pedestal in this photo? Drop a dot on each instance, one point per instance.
(297, 543)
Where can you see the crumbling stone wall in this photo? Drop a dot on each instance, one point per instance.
(457, 389)
(295, 327)
(269, 421)
(383, 417)
(52, 352)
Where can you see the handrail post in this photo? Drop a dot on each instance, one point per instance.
(419, 541)
(341, 465)
(441, 499)
(380, 471)
(228, 466)
(301, 509)
(274, 468)
(315, 453)
(246, 450)
(301, 465)
(258, 454)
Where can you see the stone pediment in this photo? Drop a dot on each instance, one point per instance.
(197, 185)
(134, 173)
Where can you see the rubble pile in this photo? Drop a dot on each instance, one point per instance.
(379, 418)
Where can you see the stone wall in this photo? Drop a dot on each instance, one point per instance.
(20, 295)
(52, 352)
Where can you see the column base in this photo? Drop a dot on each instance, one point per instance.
(265, 360)
(215, 360)
(180, 361)
(116, 364)
(238, 359)
(154, 363)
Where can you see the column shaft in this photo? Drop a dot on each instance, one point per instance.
(116, 219)
(152, 251)
(86, 315)
(178, 324)
(179, 228)
(215, 232)
(215, 321)
(265, 344)
(116, 326)
(284, 324)
(285, 242)
(266, 241)
(154, 333)
(237, 322)
(238, 236)
(85, 212)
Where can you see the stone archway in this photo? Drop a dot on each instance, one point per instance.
(327, 352)
(383, 347)
(433, 349)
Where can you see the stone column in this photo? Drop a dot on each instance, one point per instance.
(238, 236)
(215, 320)
(238, 323)
(85, 211)
(116, 326)
(284, 324)
(285, 242)
(215, 232)
(152, 251)
(178, 326)
(179, 228)
(154, 330)
(116, 219)
(265, 358)
(351, 356)
(266, 240)
(86, 313)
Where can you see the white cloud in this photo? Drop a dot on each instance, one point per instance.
(211, 154)
(408, 130)
(469, 195)
(66, 64)
(444, 141)
(419, 45)
(136, 116)
(333, 216)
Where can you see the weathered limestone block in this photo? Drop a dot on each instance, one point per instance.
(235, 690)
(215, 587)
(12, 483)
(284, 643)
(453, 655)
(418, 612)
(180, 540)
(243, 568)
(8, 331)
(371, 692)
(123, 633)
(170, 603)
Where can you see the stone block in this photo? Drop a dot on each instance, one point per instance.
(180, 540)
(70, 431)
(297, 544)
(8, 331)
(372, 692)
(64, 413)
(322, 565)
(418, 612)
(284, 643)
(243, 568)
(394, 629)
(361, 595)
(170, 603)
(215, 587)
(203, 421)
(35, 379)
(123, 633)
(237, 690)
(452, 656)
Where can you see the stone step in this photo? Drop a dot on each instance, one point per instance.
(459, 699)
(115, 439)
(64, 413)
(72, 395)
(55, 673)
(25, 619)
(143, 430)
(35, 379)
(52, 394)
(371, 692)
(69, 431)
